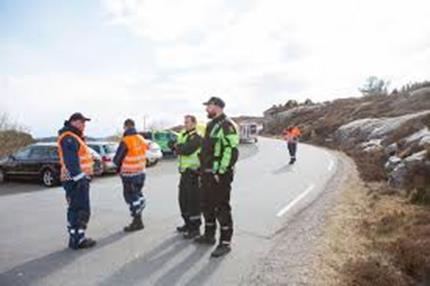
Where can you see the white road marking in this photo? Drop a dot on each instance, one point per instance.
(331, 165)
(295, 201)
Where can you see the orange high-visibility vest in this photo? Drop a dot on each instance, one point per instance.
(85, 159)
(292, 135)
(135, 160)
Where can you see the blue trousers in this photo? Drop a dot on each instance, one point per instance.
(132, 191)
(78, 210)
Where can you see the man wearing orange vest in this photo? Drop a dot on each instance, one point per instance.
(291, 135)
(130, 159)
(76, 168)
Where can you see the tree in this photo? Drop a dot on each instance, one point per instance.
(291, 103)
(374, 86)
(308, 102)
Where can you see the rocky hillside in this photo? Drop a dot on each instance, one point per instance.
(386, 212)
(389, 135)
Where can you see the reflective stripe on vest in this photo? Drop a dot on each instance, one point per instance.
(217, 133)
(135, 160)
(292, 136)
(85, 158)
(190, 162)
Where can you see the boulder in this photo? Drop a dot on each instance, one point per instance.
(372, 145)
(402, 173)
(392, 163)
(421, 137)
(391, 149)
(372, 128)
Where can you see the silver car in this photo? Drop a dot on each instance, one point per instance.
(106, 150)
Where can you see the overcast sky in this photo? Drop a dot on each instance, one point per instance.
(113, 59)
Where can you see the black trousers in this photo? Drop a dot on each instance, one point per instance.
(292, 149)
(216, 205)
(189, 199)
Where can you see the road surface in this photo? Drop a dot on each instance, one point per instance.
(267, 194)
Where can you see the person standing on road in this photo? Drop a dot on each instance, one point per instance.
(187, 148)
(291, 136)
(130, 158)
(218, 156)
(76, 168)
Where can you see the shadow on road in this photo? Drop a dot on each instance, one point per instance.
(283, 169)
(142, 268)
(205, 273)
(174, 274)
(39, 268)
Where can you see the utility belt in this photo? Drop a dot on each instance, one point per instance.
(211, 171)
(189, 171)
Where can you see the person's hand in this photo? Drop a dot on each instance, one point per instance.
(216, 178)
(82, 183)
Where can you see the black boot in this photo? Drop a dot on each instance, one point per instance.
(205, 239)
(183, 228)
(87, 243)
(135, 225)
(190, 234)
(292, 161)
(221, 250)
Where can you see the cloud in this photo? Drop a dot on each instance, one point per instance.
(330, 45)
(252, 53)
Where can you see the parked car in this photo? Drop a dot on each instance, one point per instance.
(38, 161)
(248, 132)
(107, 151)
(162, 138)
(154, 154)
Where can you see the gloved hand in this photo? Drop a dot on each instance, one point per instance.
(82, 183)
(217, 178)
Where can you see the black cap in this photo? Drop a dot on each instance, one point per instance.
(129, 122)
(215, 101)
(78, 116)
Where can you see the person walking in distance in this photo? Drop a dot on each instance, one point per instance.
(291, 136)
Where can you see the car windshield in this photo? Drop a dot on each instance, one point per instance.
(110, 148)
(95, 148)
(161, 136)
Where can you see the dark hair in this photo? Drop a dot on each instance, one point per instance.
(192, 118)
(129, 123)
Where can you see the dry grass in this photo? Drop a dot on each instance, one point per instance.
(370, 164)
(373, 238)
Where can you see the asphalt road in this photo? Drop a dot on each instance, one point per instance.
(267, 193)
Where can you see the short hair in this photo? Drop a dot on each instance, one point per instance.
(192, 118)
(129, 123)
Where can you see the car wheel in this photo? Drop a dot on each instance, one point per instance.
(2, 176)
(48, 178)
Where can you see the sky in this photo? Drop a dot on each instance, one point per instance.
(160, 59)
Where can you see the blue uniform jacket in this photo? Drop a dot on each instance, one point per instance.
(70, 148)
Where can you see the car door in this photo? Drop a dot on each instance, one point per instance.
(37, 158)
(15, 163)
